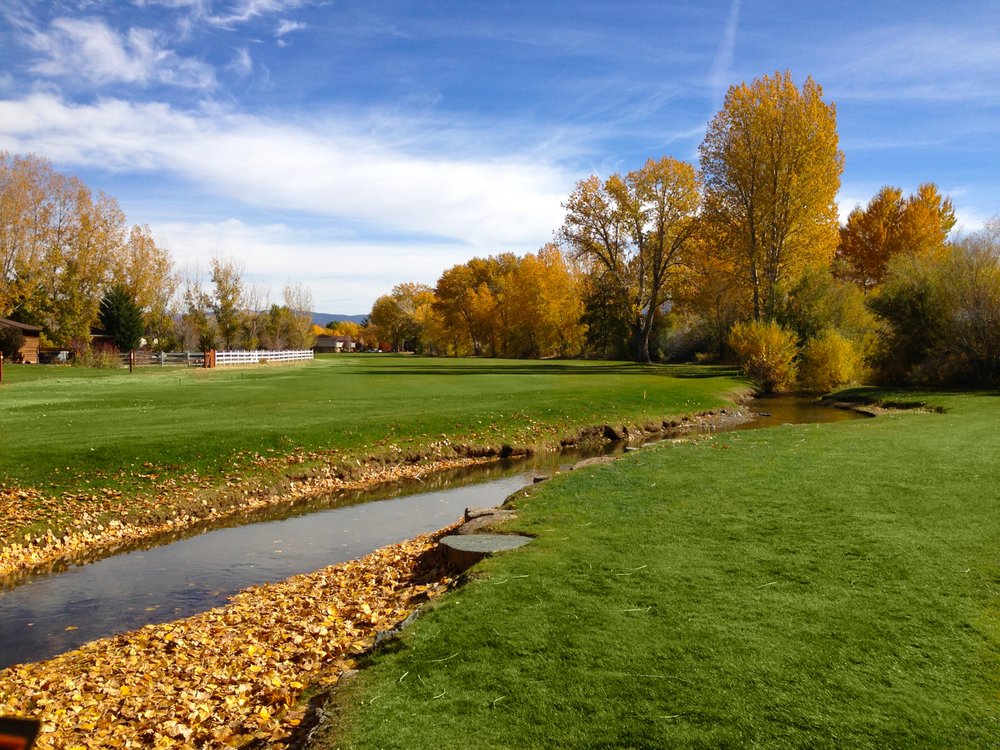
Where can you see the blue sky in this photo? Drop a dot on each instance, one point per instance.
(352, 145)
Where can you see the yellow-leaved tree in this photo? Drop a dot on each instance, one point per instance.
(633, 231)
(891, 225)
(772, 165)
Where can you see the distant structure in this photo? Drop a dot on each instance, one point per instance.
(333, 344)
(28, 353)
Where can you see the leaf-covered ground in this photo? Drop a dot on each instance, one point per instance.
(230, 676)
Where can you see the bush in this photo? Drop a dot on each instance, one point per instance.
(11, 341)
(941, 317)
(683, 337)
(766, 352)
(829, 361)
(104, 357)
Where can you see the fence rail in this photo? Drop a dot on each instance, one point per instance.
(218, 359)
(260, 357)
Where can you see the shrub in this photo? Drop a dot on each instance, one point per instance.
(103, 357)
(766, 352)
(11, 341)
(829, 361)
(683, 337)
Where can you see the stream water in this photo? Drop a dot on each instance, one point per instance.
(44, 615)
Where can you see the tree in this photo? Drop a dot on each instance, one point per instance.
(891, 225)
(195, 328)
(121, 318)
(227, 299)
(299, 301)
(772, 169)
(395, 315)
(634, 229)
(544, 307)
(62, 248)
(11, 341)
(147, 272)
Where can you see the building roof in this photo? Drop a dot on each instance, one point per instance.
(27, 328)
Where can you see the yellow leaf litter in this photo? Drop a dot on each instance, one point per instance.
(229, 676)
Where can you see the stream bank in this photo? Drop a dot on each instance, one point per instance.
(100, 533)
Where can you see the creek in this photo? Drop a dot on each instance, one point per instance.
(47, 614)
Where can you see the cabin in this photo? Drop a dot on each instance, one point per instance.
(28, 353)
(332, 344)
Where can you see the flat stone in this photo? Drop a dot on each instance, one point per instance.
(466, 550)
(593, 461)
(471, 513)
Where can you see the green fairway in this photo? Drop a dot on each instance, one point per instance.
(75, 429)
(811, 586)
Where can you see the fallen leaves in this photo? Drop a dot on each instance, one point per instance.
(228, 676)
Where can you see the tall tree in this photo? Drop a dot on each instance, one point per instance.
(772, 169)
(121, 318)
(634, 230)
(890, 225)
(227, 299)
(299, 300)
(146, 270)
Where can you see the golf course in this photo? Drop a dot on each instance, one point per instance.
(810, 585)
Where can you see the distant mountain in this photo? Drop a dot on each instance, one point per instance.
(321, 319)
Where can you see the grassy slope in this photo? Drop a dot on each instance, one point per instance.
(811, 586)
(70, 429)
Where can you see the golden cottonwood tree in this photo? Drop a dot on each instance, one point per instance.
(890, 225)
(772, 167)
(544, 304)
(397, 315)
(634, 229)
(62, 249)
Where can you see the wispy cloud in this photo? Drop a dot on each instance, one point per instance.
(912, 61)
(350, 275)
(242, 63)
(287, 27)
(90, 49)
(724, 56)
(245, 10)
(329, 168)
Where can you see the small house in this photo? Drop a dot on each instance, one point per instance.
(28, 352)
(332, 344)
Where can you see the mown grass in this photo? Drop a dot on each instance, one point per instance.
(812, 586)
(71, 429)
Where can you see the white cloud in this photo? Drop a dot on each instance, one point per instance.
(242, 63)
(287, 27)
(329, 168)
(245, 10)
(343, 276)
(90, 49)
(337, 174)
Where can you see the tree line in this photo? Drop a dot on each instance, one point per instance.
(743, 256)
(70, 263)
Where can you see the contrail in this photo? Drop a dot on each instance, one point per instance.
(724, 56)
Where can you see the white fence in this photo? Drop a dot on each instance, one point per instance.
(260, 357)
